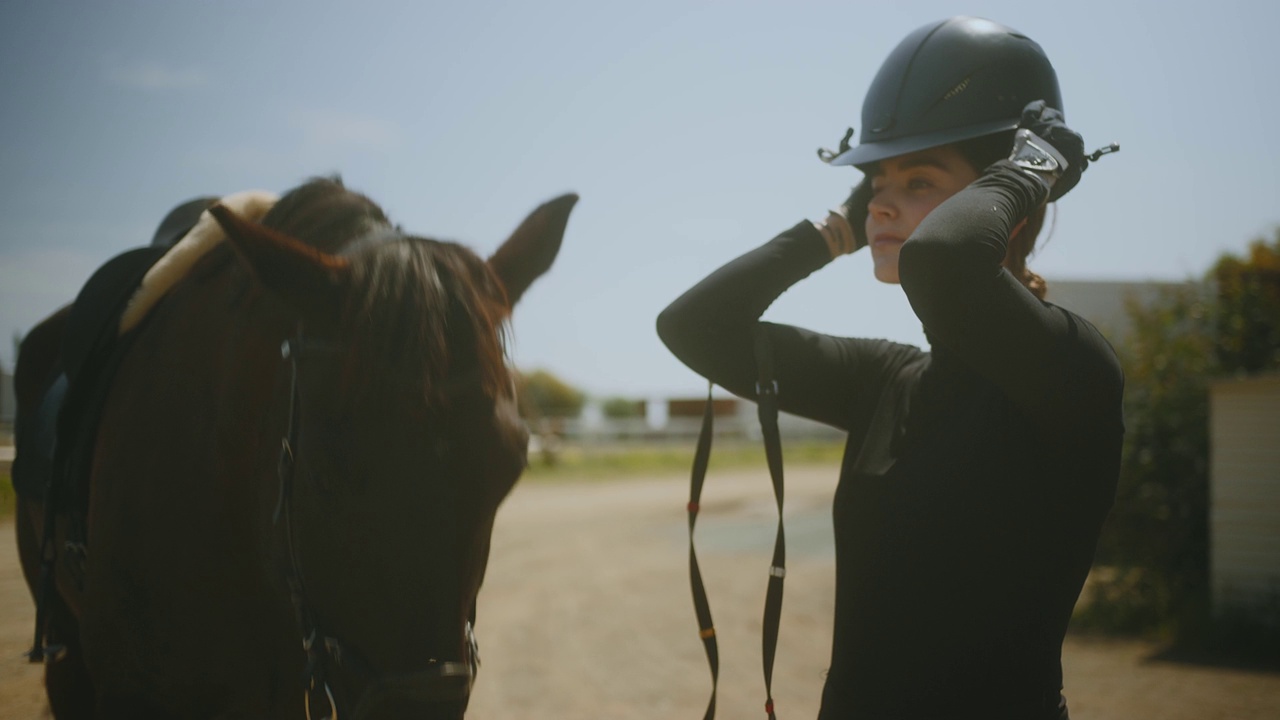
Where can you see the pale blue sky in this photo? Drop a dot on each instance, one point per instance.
(689, 128)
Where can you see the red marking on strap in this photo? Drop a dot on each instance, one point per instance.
(768, 707)
(693, 507)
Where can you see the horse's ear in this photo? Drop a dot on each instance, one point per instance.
(303, 275)
(531, 249)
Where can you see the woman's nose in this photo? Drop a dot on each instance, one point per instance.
(881, 206)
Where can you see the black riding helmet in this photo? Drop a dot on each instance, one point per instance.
(180, 220)
(946, 82)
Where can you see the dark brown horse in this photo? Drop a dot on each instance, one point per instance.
(296, 473)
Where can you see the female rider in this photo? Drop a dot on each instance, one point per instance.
(977, 475)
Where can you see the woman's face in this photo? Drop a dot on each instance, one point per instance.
(904, 190)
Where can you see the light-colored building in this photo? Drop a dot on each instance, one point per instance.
(681, 419)
(1104, 302)
(738, 417)
(1244, 495)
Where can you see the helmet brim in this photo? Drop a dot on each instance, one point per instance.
(868, 153)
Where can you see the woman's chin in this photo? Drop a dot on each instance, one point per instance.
(886, 270)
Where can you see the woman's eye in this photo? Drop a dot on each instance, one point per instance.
(919, 184)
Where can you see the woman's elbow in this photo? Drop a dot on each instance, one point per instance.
(922, 260)
(930, 260)
(672, 327)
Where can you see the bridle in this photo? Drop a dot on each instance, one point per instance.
(439, 681)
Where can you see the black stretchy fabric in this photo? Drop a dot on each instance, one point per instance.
(976, 476)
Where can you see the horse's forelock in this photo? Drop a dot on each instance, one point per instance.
(430, 308)
(413, 304)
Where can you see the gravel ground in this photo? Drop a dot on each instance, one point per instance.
(585, 613)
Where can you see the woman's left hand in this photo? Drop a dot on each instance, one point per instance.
(1049, 124)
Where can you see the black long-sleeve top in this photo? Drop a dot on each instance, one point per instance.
(976, 476)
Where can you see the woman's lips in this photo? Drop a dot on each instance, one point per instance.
(886, 239)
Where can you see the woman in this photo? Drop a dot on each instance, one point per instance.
(976, 476)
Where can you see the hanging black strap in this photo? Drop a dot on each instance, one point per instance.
(767, 401)
(42, 651)
(706, 629)
(767, 406)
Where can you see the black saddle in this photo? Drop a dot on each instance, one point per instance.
(90, 353)
(55, 443)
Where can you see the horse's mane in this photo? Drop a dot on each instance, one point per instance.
(414, 305)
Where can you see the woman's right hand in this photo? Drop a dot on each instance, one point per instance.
(845, 229)
(855, 210)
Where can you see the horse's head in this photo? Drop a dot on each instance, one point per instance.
(400, 435)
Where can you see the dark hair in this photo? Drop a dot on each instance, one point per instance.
(981, 152)
(429, 307)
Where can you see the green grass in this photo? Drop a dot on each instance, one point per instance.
(6, 495)
(575, 463)
(605, 463)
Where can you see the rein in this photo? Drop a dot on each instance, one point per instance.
(767, 411)
(440, 681)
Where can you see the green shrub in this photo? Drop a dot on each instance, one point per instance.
(543, 395)
(1153, 556)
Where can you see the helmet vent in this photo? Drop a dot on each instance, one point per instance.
(957, 89)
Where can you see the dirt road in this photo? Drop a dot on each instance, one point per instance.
(585, 614)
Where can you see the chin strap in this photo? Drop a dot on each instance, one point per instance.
(827, 156)
(1104, 150)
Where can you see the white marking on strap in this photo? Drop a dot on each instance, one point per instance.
(251, 205)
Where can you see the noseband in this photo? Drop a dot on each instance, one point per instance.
(439, 681)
